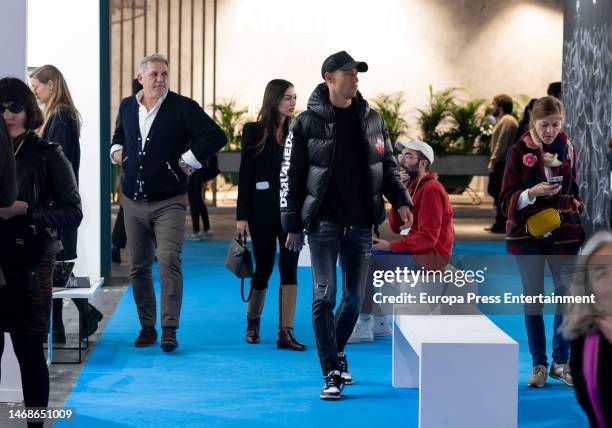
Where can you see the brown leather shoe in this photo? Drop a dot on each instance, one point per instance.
(168, 340)
(286, 340)
(252, 333)
(147, 337)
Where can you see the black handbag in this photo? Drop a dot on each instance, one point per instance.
(23, 246)
(239, 261)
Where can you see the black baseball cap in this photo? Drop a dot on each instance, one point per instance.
(342, 61)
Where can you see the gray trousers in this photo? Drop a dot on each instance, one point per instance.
(147, 225)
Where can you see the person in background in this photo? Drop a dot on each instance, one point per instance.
(258, 211)
(528, 188)
(62, 125)
(504, 135)
(555, 89)
(197, 204)
(48, 200)
(119, 238)
(589, 327)
(160, 139)
(338, 163)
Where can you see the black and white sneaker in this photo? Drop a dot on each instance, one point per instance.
(344, 371)
(332, 390)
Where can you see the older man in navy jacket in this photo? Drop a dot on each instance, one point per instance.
(160, 139)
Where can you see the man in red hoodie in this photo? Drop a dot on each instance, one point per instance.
(428, 241)
(432, 232)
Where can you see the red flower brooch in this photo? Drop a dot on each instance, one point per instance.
(530, 160)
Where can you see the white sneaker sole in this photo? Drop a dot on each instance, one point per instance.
(330, 397)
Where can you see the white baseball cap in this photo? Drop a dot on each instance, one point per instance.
(421, 146)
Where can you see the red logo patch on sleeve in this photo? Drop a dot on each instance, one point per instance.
(380, 146)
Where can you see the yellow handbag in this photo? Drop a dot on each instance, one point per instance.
(543, 222)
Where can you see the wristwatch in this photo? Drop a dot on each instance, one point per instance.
(182, 163)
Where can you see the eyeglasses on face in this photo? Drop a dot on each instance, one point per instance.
(12, 107)
(408, 156)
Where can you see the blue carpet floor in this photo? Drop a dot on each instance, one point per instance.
(216, 379)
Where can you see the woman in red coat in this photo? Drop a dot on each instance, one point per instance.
(540, 174)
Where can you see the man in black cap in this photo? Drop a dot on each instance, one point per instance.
(338, 163)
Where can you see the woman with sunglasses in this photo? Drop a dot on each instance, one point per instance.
(47, 200)
(62, 125)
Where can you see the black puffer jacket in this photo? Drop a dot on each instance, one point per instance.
(308, 157)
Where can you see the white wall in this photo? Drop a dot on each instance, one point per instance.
(13, 27)
(13, 19)
(486, 47)
(66, 33)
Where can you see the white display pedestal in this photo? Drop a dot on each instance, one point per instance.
(466, 369)
(10, 386)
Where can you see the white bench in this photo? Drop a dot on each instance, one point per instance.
(466, 369)
(75, 293)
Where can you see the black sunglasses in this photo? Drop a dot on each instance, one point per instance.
(12, 107)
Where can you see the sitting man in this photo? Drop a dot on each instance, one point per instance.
(430, 237)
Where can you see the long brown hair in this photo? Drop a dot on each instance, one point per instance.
(60, 97)
(269, 114)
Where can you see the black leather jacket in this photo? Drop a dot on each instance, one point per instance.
(308, 157)
(47, 183)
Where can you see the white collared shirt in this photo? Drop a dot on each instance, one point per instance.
(146, 118)
(145, 121)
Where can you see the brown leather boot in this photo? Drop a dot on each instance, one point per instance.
(254, 310)
(147, 337)
(286, 313)
(168, 340)
(252, 333)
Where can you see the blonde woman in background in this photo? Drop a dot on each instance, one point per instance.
(589, 327)
(62, 125)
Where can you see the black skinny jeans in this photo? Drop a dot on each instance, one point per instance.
(264, 249)
(197, 206)
(33, 367)
(353, 244)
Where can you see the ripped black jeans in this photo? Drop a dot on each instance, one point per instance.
(353, 244)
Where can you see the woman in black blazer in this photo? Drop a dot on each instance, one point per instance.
(62, 125)
(258, 211)
(589, 326)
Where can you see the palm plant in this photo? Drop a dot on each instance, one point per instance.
(389, 106)
(441, 104)
(231, 120)
(467, 126)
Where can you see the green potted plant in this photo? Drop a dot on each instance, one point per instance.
(439, 108)
(389, 106)
(231, 119)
